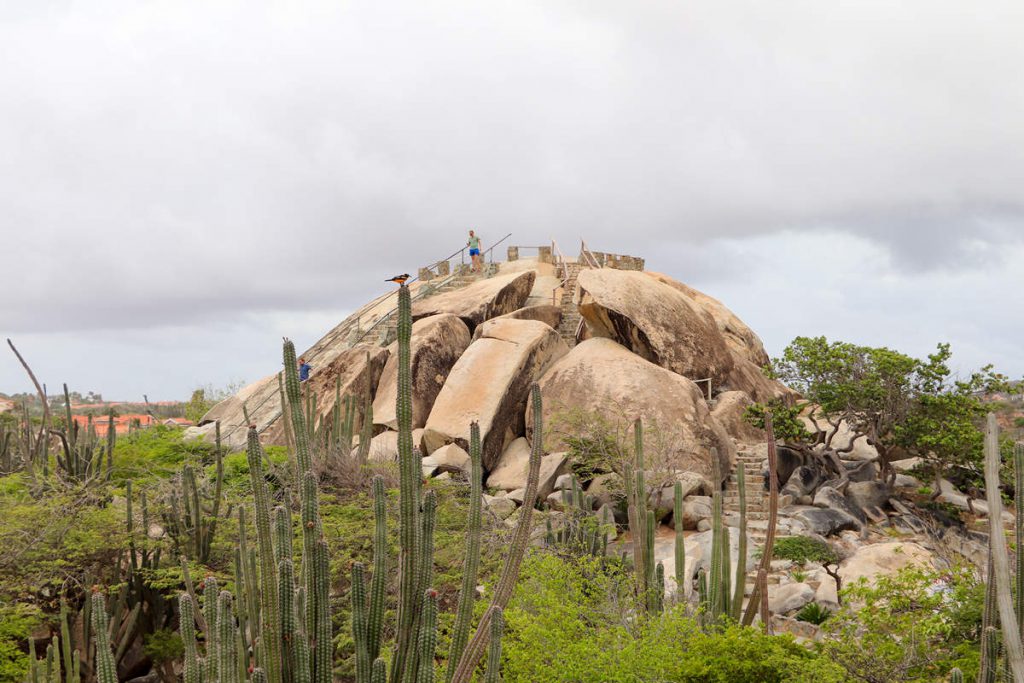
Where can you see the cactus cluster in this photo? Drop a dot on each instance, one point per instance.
(1003, 615)
(581, 531)
(84, 456)
(642, 525)
(192, 517)
(721, 592)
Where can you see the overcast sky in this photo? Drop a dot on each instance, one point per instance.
(182, 183)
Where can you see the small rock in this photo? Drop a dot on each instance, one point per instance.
(828, 497)
(518, 495)
(500, 506)
(789, 597)
(448, 458)
(826, 521)
(564, 482)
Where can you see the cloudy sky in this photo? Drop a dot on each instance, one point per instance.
(182, 183)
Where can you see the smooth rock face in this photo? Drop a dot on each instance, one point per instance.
(654, 320)
(545, 313)
(513, 466)
(357, 371)
(500, 506)
(740, 338)
(449, 458)
(481, 300)
(828, 497)
(869, 495)
(604, 378)
(870, 561)
(490, 383)
(383, 447)
(801, 483)
(827, 521)
(437, 342)
(728, 412)
(695, 509)
(789, 597)
(751, 380)
(698, 555)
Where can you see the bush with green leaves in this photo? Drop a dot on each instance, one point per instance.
(573, 619)
(915, 625)
(813, 613)
(17, 622)
(804, 549)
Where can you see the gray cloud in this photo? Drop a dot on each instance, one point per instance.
(191, 164)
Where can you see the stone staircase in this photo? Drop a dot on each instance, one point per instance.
(570, 313)
(757, 497)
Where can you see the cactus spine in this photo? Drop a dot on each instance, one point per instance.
(493, 674)
(510, 572)
(409, 472)
(680, 546)
(192, 665)
(106, 670)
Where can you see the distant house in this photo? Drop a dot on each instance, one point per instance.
(122, 423)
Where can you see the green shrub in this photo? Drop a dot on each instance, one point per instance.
(813, 613)
(803, 549)
(573, 620)
(16, 624)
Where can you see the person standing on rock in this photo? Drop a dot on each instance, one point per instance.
(474, 250)
(304, 369)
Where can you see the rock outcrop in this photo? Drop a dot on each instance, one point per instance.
(655, 321)
(545, 313)
(603, 378)
(489, 384)
(481, 300)
(437, 342)
(728, 411)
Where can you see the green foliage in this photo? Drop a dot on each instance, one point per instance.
(164, 645)
(892, 399)
(813, 613)
(149, 455)
(17, 622)
(803, 549)
(785, 420)
(914, 625)
(568, 622)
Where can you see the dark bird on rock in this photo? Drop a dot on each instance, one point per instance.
(400, 279)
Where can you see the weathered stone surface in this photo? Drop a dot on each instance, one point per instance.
(512, 467)
(740, 338)
(870, 561)
(437, 342)
(869, 495)
(481, 300)
(499, 506)
(695, 508)
(728, 412)
(449, 458)
(606, 489)
(826, 521)
(789, 597)
(603, 378)
(654, 320)
(383, 447)
(828, 497)
(802, 483)
(564, 482)
(747, 377)
(698, 554)
(545, 313)
(490, 384)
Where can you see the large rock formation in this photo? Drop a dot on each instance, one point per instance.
(490, 383)
(655, 321)
(546, 313)
(481, 300)
(602, 378)
(437, 342)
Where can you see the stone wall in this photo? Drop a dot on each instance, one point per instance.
(616, 261)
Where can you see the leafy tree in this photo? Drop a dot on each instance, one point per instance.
(914, 625)
(903, 406)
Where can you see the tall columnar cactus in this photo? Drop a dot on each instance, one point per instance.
(956, 676)
(493, 674)
(106, 670)
(680, 545)
(520, 538)
(270, 613)
(999, 559)
(360, 630)
(192, 664)
(471, 564)
(739, 584)
(428, 637)
(378, 583)
(755, 603)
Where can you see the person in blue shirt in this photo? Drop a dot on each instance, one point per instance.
(474, 250)
(304, 369)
